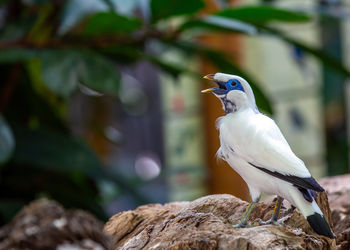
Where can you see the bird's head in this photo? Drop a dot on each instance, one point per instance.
(231, 89)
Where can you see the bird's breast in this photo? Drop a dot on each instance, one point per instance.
(237, 131)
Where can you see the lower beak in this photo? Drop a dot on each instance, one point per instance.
(211, 78)
(208, 90)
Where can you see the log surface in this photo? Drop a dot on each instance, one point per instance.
(207, 223)
(338, 189)
(45, 224)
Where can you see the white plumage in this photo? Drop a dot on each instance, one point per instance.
(260, 142)
(255, 148)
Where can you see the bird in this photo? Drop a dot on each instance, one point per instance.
(254, 146)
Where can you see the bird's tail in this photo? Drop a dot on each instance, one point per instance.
(320, 225)
(314, 216)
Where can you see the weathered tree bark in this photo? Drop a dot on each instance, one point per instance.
(44, 225)
(207, 223)
(338, 189)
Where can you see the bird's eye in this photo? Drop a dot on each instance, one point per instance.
(233, 83)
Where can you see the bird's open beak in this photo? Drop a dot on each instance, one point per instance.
(211, 78)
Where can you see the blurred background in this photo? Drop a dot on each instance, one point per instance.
(100, 104)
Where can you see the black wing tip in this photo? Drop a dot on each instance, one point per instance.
(317, 187)
(320, 225)
(303, 182)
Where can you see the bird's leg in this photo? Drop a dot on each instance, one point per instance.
(246, 214)
(276, 211)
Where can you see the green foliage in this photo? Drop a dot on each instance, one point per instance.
(108, 23)
(233, 21)
(16, 55)
(49, 48)
(244, 19)
(60, 71)
(219, 24)
(63, 70)
(164, 9)
(262, 15)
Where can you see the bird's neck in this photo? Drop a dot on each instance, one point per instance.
(228, 106)
(232, 106)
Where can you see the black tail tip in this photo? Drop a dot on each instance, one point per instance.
(320, 225)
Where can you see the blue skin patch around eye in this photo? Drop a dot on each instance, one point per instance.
(234, 84)
(225, 87)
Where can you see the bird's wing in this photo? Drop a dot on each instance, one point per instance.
(266, 148)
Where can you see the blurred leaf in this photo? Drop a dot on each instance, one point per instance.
(173, 69)
(16, 55)
(75, 10)
(49, 149)
(323, 57)
(99, 73)
(162, 9)
(60, 71)
(262, 14)
(217, 23)
(123, 54)
(106, 23)
(63, 70)
(241, 19)
(7, 142)
(225, 65)
(133, 54)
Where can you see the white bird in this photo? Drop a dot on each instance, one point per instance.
(255, 148)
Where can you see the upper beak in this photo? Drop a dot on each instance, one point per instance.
(208, 77)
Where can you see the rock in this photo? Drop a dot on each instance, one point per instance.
(338, 189)
(44, 224)
(207, 223)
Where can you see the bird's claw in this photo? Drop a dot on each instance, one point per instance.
(241, 225)
(268, 222)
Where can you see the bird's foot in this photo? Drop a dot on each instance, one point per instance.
(268, 222)
(241, 225)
